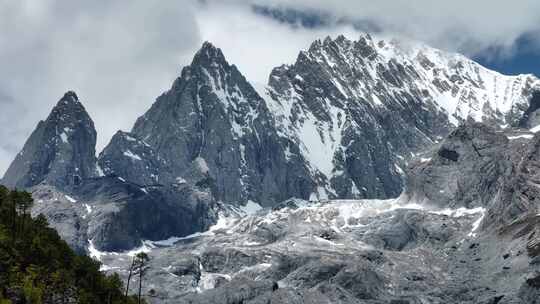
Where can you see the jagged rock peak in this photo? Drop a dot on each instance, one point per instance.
(60, 151)
(209, 55)
(70, 96)
(70, 109)
(208, 64)
(215, 122)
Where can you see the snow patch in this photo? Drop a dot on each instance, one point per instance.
(460, 212)
(146, 247)
(320, 195)
(477, 223)
(251, 208)
(104, 268)
(354, 189)
(535, 129)
(201, 163)
(93, 252)
(526, 136)
(399, 170)
(64, 137)
(131, 155)
(88, 210)
(99, 171)
(69, 198)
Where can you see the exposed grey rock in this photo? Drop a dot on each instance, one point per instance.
(368, 105)
(434, 250)
(478, 166)
(467, 169)
(409, 229)
(125, 214)
(212, 119)
(231, 293)
(531, 117)
(63, 214)
(116, 215)
(530, 289)
(134, 159)
(60, 151)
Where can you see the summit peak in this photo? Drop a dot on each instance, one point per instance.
(209, 54)
(70, 95)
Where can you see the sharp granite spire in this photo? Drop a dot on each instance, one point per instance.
(60, 151)
(212, 123)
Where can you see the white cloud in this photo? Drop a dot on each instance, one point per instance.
(464, 25)
(254, 43)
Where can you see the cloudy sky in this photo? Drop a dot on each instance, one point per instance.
(119, 55)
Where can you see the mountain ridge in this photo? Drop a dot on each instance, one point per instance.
(351, 177)
(342, 122)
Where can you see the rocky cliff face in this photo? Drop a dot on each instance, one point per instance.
(134, 159)
(60, 151)
(213, 122)
(480, 167)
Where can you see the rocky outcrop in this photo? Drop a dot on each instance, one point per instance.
(123, 214)
(467, 170)
(60, 151)
(133, 159)
(480, 167)
(110, 214)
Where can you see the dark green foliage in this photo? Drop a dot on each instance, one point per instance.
(36, 266)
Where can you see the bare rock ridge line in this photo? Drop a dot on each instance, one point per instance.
(342, 122)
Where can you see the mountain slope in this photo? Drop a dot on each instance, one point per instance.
(339, 123)
(475, 247)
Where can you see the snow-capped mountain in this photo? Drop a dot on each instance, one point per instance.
(357, 109)
(348, 120)
(342, 122)
(339, 123)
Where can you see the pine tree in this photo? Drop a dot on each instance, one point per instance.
(131, 269)
(142, 260)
